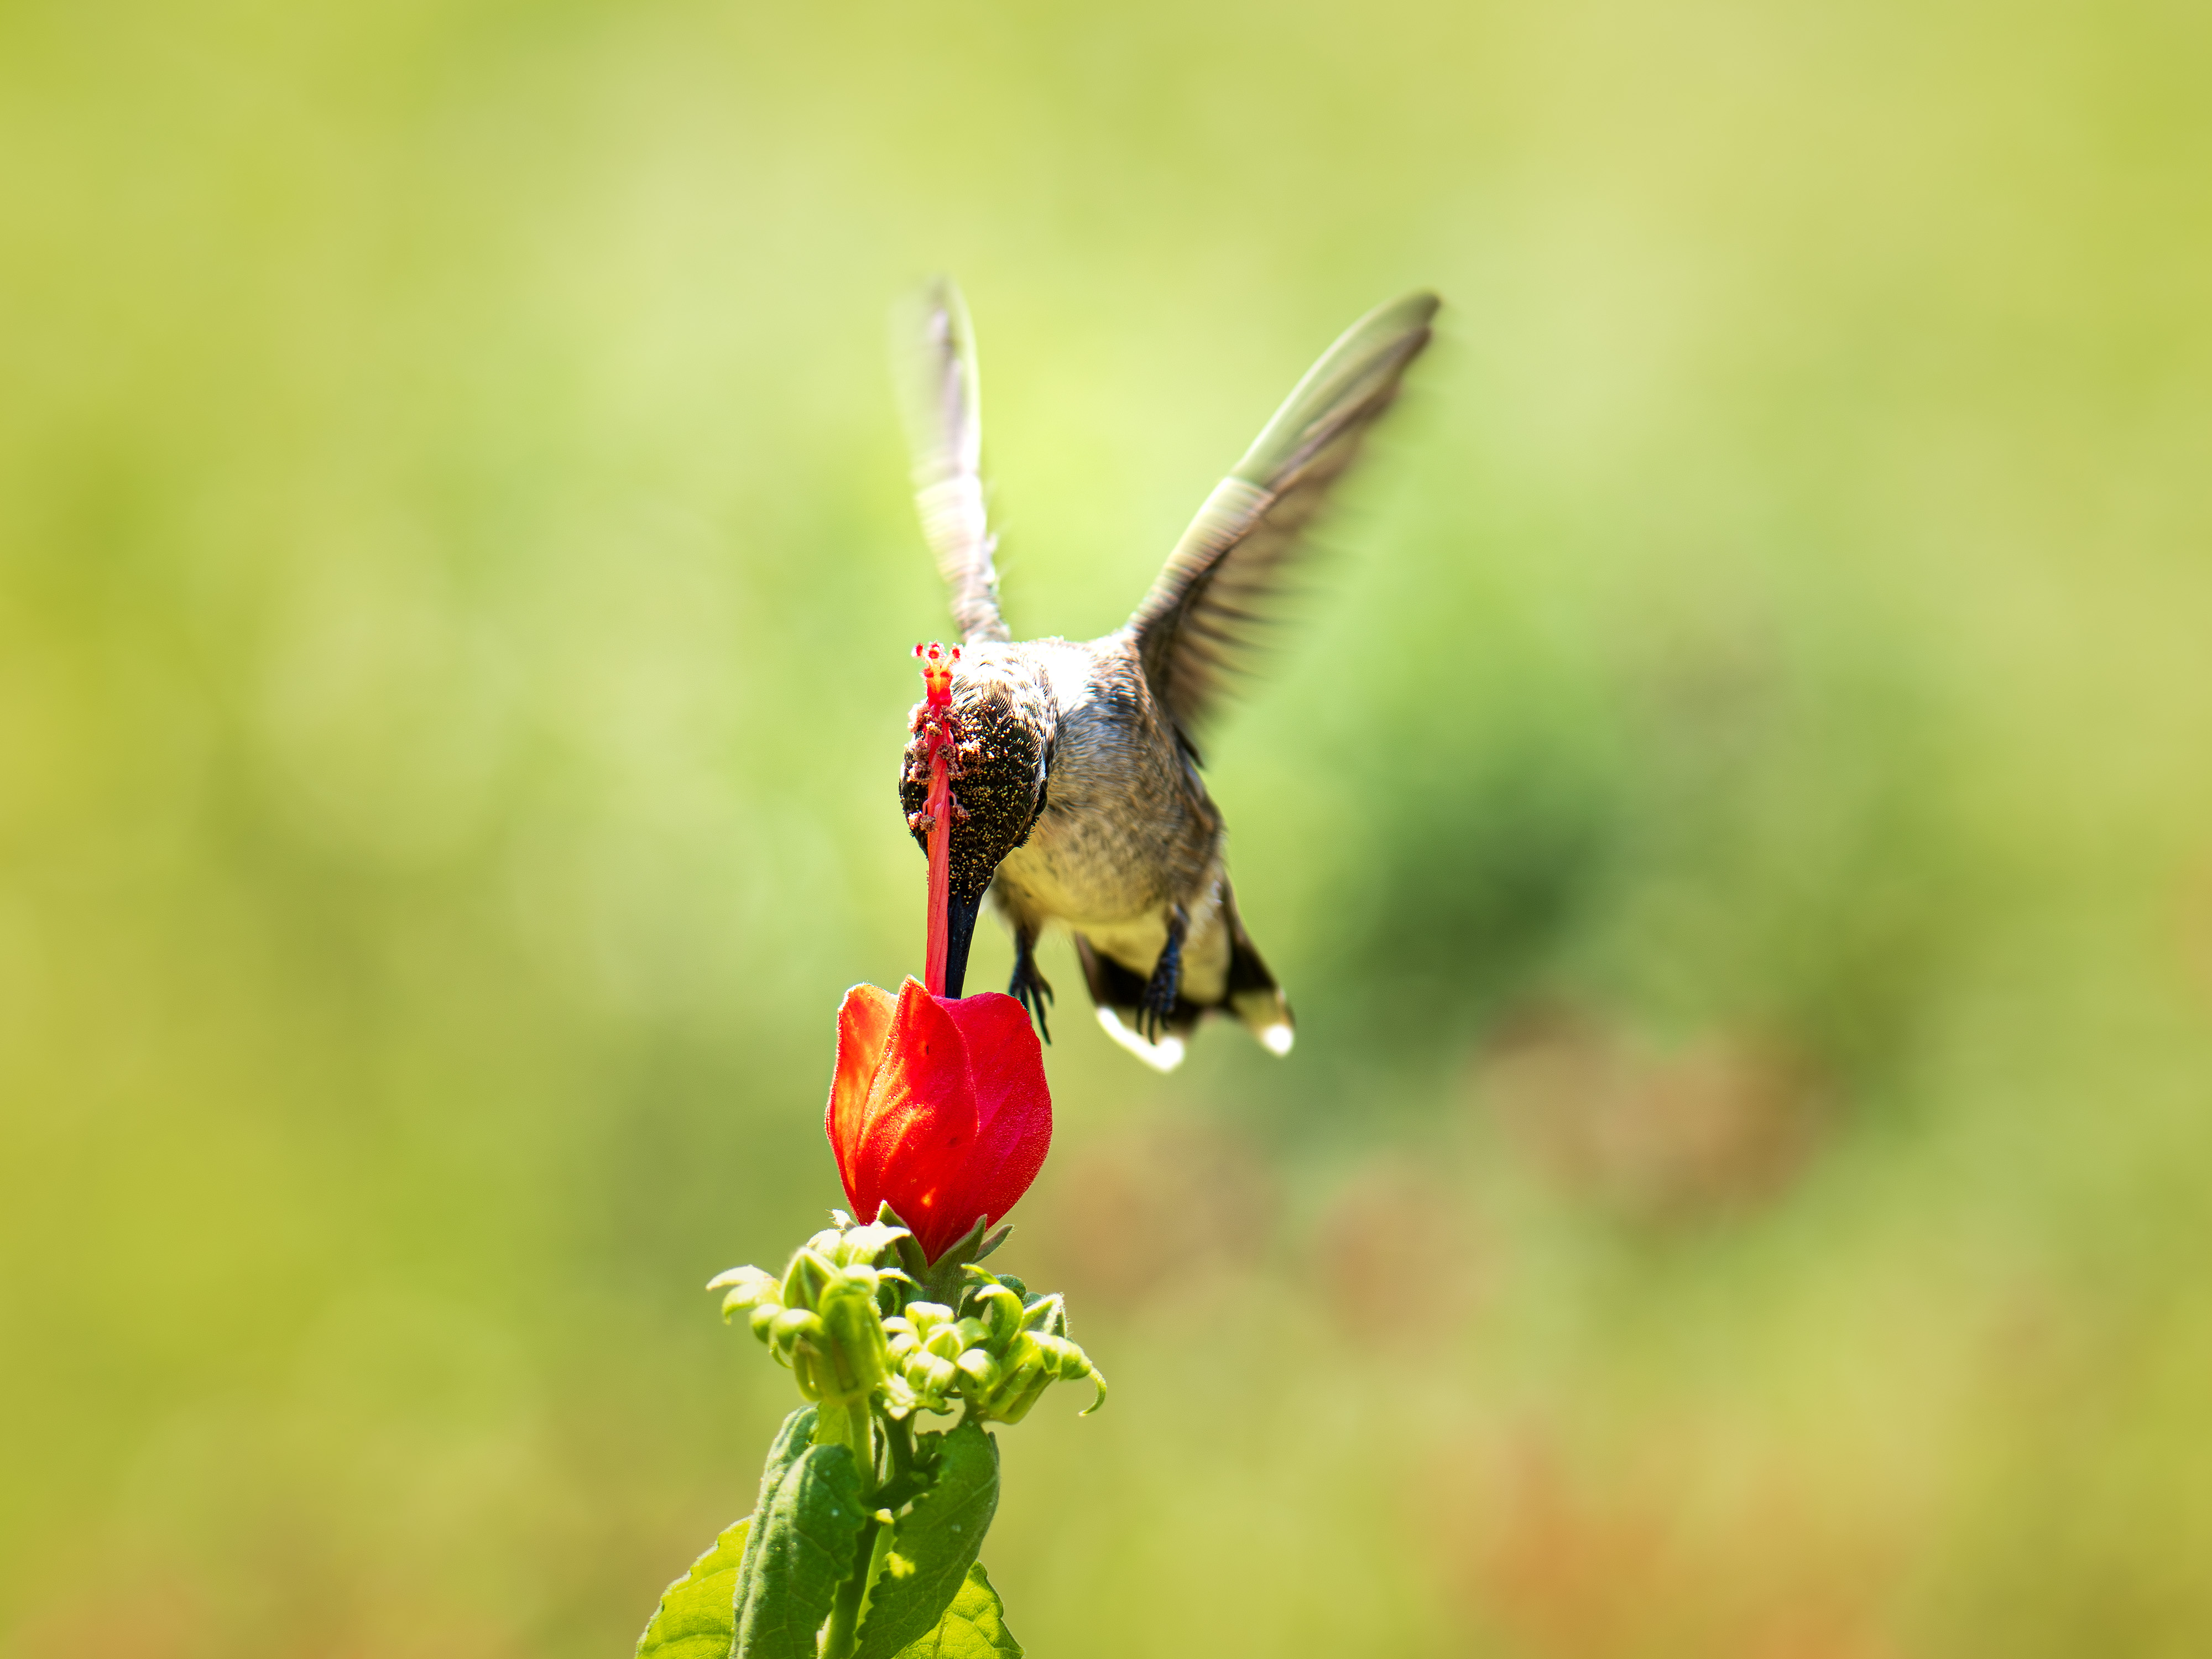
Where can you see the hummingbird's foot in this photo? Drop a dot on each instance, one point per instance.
(1166, 983)
(1030, 987)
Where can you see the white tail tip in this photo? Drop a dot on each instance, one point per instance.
(1277, 1039)
(1162, 1056)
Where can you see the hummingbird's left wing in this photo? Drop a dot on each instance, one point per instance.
(1192, 627)
(933, 354)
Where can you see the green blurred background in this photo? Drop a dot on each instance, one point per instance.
(1733, 818)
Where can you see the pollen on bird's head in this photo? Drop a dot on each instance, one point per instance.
(997, 770)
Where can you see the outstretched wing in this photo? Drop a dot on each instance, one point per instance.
(1199, 617)
(933, 354)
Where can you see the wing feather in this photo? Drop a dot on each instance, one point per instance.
(934, 352)
(1213, 595)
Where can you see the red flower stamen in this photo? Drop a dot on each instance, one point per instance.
(938, 724)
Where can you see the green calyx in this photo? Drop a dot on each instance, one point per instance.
(824, 1317)
(870, 1328)
(999, 1352)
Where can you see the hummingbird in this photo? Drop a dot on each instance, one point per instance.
(1077, 798)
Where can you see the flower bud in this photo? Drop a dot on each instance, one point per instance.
(875, 1245)
(749, 1288)
(944, 1373)
(793, 1324)
(1017, 1389)
(995, 1306)
(1033, 1363)
(1047, 1315)
(739, 1276)
(851, 1345)
(928, 1376)
(899, 1398)
(805, 1279)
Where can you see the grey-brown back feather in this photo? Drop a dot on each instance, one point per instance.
(1217, 584)
(934, 353)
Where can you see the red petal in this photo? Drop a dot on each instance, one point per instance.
(920, 1121)
(864, 1024)
(1013, 1108)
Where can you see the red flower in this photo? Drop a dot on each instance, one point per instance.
(939, 1106)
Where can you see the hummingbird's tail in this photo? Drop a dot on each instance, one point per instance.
(1254, 996)
(1248, 993)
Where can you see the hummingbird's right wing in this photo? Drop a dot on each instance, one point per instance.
(1193, 626)
(933, 354)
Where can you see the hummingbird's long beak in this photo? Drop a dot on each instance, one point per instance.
(960, 933)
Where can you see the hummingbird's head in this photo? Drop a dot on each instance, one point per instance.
(1002, 727)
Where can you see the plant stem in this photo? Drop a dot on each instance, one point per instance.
(842, 1636)
(898, 1441)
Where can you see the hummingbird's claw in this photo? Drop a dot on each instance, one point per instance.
(1030, 987)
(1161, 989)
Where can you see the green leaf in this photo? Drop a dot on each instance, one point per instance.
(973, 1627)
(792, 1441)
(935, 1543)
(694, 1620)
(803, 1545)
(697, 1616)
